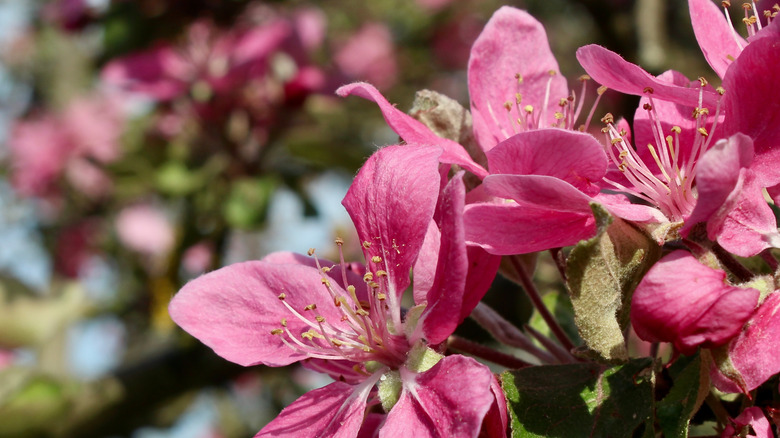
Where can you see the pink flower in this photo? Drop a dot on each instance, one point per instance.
(145, 229)
(369, 55)
(753, 417)
(691, 305)
(44, 148)
(346, 319)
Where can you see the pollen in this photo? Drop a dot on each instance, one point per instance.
(339, 241)
(601, 90)
(608, 118)
(584, 78)
(283, 322)
(508, 106)
(376, 259)
(529, 109)
(277, 332)
(310, 252)
(325, 281)
(325, 269)
(310, 307)
(519, 78)
(381, 273)
(366, 244)
(282, 296)
(703, 132)
(368, 277)
(319, 319)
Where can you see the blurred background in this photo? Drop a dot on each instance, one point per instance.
(145, 142)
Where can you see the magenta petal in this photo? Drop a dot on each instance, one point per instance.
(497, 418)
(610, 69)
(749, 109)
(449, 400)
(689, 304)
(508, 228)
(335, 410)
(512, 43)
(411, 130)
(391, 201)
(753, 417)
(425, 267)
(158, 73)
(754, 352)
(234, 309)
(719, 43)
(445, 297)
(482, 270)
(539, 191)
(574, 157)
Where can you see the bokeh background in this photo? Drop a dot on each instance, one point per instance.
(145, 142)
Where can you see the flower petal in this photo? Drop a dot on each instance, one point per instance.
(717, 39)
(610, 69)
(689, 304)
(335, 410)
(753, 417)
(391, 201)
(754, 351)
(512, 43)
(411, 130)
(750, 106)
(157, 72)
(234, 309)
(449, 400)
(574, 157)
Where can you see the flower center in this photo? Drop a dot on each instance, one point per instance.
(365, 331)
(672, 187)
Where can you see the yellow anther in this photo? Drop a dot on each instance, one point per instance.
(703, 81)
(373, 285)
(310, 334)
(601, 90)
(552, 72)
(559, 115)
(746, 6)
(368, 277)
(336, 342)
(721, 90)
(604, 130)
(351, 289)
(362, 312)
(325, 269)
(376, 259)
(725, 4)
(519, 78)
(277, 332)
(676, 129)
(608, 118)
(615, 141)
(366, 244)
(319, 319)
(529, 109)
(282, 296)
(563, 102)
(310, 307)
(283, 322)
(703, 132)
(508, 106)
(325, 281)
(584, 78)
(381, 297)
(310, 251)
(339, 241)
(518, 98)
(623, 154)
(381, 273)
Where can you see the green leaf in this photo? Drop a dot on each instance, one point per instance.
(602, 273)
(579, 400)
(690, 388)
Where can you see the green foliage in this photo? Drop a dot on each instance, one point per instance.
(579, 400)
(691, 386)
(602, 273)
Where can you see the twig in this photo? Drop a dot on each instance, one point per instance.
(465, 346)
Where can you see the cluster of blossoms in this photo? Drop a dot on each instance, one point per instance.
(690, 177)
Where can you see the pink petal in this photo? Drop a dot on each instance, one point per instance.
(257, 44)
(497, 418)
(574, 157)
(731, 201)
(512, 43)
(335, 410)
(610, 69)
(425, 267)
(391, 201)
(234, 309)
(539, 191)
(719, 43)
(158, 73)
(449, 400)
(482, 270)
(506, 229)
(411, 130)
(753, 417)
(689, 304)
(619, 205)
(369, 55)
(145, 229)
(445, 297)
(754, 351)
(749, 109)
